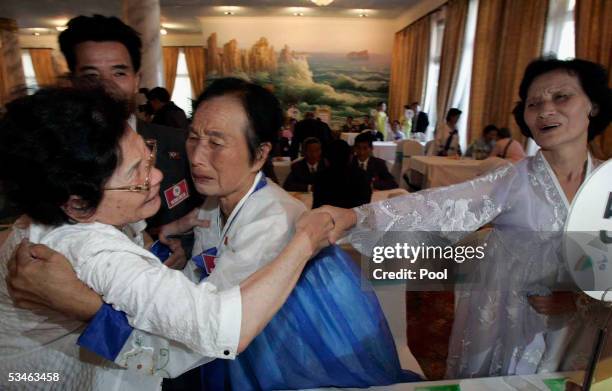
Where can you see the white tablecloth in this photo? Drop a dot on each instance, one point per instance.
(443, 171)
(349, 137)
(385, 150)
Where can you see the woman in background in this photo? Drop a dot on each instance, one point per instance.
(507, 148)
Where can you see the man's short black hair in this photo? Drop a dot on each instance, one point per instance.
(159, 93)
(452, 112)
(365, 137)
(262, 108)
(488, 129)
(59, 142)
(99, 28)
(593, 79)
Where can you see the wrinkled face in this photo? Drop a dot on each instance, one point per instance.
(110, 61)
(312, 153)
(119, 208)
(362, 151)
(557, 110)
(217, 148)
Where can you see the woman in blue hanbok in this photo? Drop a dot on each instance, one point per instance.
(514, 319)
(332, 331)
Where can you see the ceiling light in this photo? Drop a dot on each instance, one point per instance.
(163, 32)
(298, 14)
(36, 34)
(228, 13)
(61, 28)
(322, 3)
(363, 15)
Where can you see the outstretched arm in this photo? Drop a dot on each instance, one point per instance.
(39, 275)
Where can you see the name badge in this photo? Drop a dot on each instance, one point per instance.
(176, 194)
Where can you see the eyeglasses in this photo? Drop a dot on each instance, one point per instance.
(146, 186)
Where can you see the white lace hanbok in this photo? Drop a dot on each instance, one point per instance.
(496, 331)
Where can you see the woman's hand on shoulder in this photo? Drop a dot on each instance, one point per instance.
(40, 277)
(178, 258)
(182, 225)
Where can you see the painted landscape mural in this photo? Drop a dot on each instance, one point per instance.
(349, 84)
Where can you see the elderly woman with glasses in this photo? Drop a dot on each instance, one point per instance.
(71, 163)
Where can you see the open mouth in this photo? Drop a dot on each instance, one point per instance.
(549, 127)
(202, 178)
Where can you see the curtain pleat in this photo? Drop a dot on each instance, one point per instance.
(409, 66)
(196, 66)
(450, 60)
(509, 35)
(44, 68)
(170, 55)
(594, 43)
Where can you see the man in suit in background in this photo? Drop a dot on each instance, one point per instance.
(105, 48)
(420, 121)
(303, 172)
(309, 127)
(165, 112)
(376, 168)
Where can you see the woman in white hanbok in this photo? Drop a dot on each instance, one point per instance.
(511, 322)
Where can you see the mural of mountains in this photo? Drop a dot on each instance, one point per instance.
(349, 84)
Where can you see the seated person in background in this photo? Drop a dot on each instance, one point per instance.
(484, 145)
(341, 183)
(309, 127)
(507, 148)
(303, 172)
(366, 124)
(374, 134)
(165, 112)
(397, 131)
(376, 168)
(446, 141)
(349, 126)
(284, 138)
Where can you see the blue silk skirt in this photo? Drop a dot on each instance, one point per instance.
(330, 332)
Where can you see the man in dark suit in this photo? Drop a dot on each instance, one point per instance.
(376, 168)
(304, 172)
(420, 121)
(105, 48)
(309, 127)
(165, 112)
